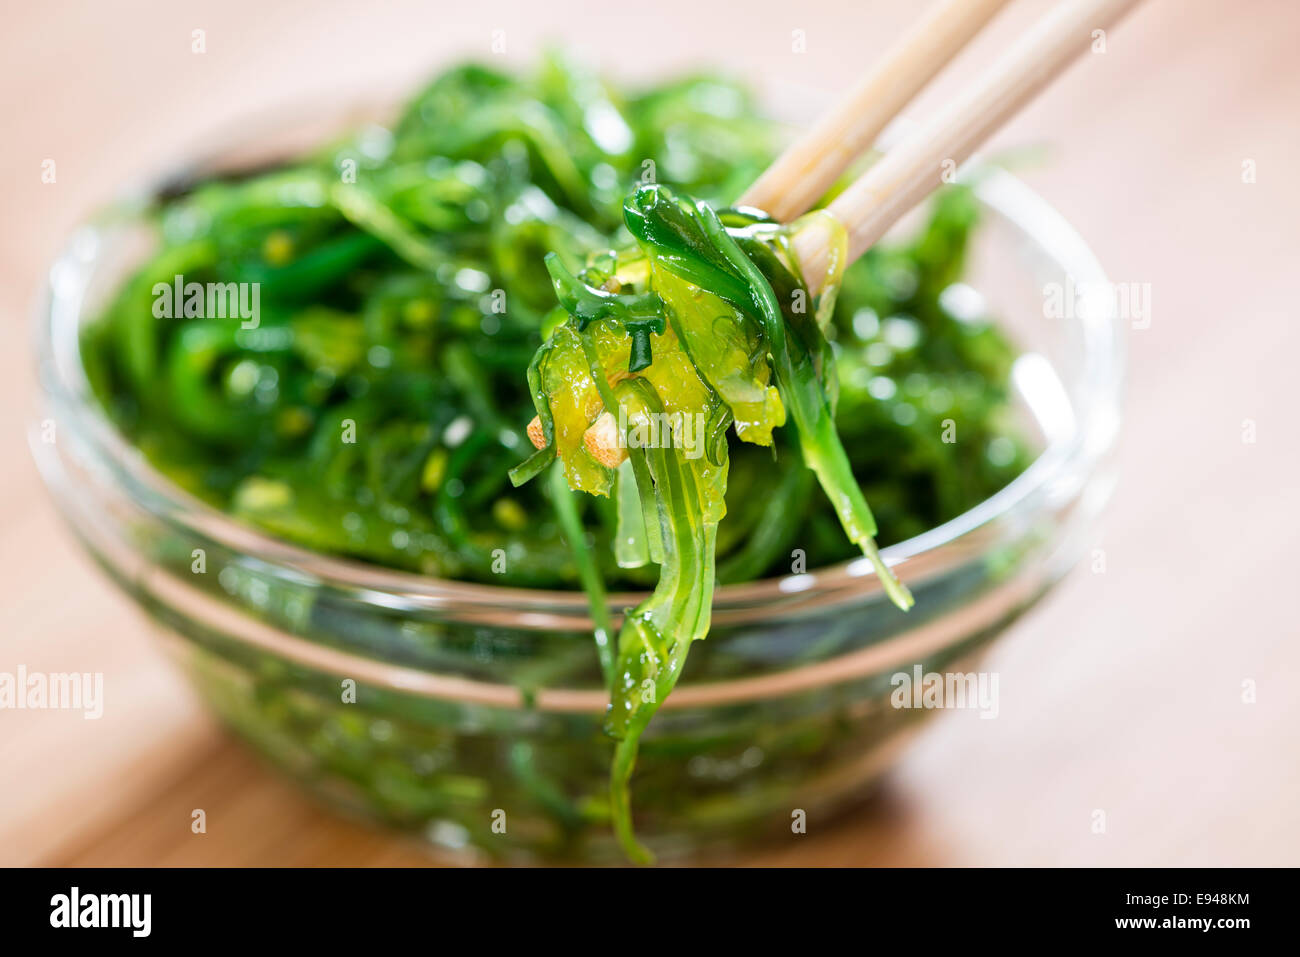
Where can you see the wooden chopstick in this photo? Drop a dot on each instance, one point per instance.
(914, 168)
(810, 166)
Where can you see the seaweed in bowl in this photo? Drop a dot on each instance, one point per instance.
(375, 406)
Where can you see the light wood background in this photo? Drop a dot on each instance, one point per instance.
(1122, 693)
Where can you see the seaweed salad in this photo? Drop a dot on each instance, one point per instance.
(706, 338)
(425, 289)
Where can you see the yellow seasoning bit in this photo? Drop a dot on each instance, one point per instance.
(419, 313)
(602, 442)
(536, 434)
(277, 249)
(293, 421)
(435, 470)
(509, 514)
(256, 494)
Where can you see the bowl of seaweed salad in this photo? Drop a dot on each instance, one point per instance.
(292, 392)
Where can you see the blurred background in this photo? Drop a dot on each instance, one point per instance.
(1173, 152)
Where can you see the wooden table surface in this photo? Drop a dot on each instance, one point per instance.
(1123, 692)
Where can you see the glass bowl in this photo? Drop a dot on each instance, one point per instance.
(431, 705)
